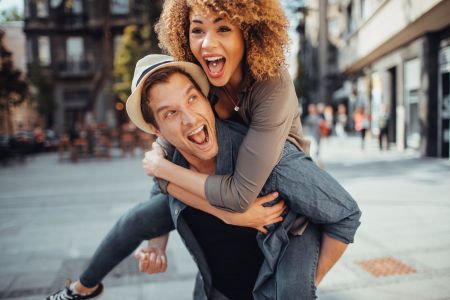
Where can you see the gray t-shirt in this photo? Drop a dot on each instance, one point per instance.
(270, 108)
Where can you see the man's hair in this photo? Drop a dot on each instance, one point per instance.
(159, 76)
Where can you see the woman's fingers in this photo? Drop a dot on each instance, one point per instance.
(262, 229)
(267, 198)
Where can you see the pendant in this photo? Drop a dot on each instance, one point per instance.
(236, 108)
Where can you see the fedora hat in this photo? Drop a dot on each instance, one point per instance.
(147, 66)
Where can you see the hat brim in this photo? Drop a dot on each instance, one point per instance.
(133, 104)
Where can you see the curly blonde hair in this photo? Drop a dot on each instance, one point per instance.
(263, 23)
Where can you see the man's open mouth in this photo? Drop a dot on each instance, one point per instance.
(215, 64)
(199, 136)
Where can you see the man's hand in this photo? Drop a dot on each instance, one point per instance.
(153, 160)
(257, 215)
(152, 260)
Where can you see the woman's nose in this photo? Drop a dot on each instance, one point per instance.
(210, 41)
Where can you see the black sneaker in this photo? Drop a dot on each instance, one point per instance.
(68, 294)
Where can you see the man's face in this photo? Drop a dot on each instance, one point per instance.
(184, 117)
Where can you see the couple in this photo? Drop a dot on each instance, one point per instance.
(234, 262)
(240, 49)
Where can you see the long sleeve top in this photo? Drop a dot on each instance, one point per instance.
(270, 109)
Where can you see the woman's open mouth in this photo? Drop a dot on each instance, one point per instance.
(199, 136)
(215, 65)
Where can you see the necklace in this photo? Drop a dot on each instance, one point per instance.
(232, 98)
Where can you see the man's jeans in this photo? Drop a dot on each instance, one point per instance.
(145, 221)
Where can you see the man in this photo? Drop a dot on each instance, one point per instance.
(234, 262)
(284, 265)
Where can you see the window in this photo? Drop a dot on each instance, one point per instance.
(29, 44)
(119, 7)
(77, 7)
(412, 99)
(27, 9)
(44, 50)
(42, 8)
(351, 23)
(74, 49)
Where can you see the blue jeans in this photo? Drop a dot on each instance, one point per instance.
(145, 221)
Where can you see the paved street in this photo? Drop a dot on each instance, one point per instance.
(53, 214)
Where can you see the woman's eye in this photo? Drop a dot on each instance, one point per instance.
(224, 29)
(196, 30)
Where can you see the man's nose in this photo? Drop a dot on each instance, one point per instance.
(188, 118)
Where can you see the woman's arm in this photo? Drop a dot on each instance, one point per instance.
(257, 216)
(273, 110)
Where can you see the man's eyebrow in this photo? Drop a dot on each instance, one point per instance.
(161, 108)
(188, 90)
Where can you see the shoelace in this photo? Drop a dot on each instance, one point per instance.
(65, 294)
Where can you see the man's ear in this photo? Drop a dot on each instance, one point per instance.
(154, 130)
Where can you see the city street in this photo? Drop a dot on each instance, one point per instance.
(54, 214)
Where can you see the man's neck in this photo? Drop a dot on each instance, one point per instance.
(202, 166)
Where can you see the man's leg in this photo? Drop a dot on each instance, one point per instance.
(145, 221)
(297, 269)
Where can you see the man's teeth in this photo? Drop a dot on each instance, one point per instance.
(197, 130)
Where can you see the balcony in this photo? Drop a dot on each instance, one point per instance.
(74, 68)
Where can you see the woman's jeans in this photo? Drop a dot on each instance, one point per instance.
(145, 221)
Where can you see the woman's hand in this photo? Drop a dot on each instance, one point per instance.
(153, 160)
(257, 215)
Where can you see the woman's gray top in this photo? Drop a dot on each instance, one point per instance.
(270, 108)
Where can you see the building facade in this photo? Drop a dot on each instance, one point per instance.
(23, 116)
(72, 44)
(395, 56)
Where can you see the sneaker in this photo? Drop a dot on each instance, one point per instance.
(68, 294)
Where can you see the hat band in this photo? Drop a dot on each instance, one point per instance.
(151, 68)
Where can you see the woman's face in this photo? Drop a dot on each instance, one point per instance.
(218, 46)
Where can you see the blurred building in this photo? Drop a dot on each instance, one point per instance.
(24, 116)
(395, 55)
(72, 43)
(389, 55)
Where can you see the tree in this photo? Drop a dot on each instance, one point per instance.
(44, 92)
(13, 87)
(9, 15)
(133, 46)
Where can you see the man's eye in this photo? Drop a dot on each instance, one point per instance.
(192, 99)
(169, 114)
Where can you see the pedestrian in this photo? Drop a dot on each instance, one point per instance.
(313, 123)
(341, 122)
(383, 125)
(361, 120)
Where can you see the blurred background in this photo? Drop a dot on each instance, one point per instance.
(373, 82)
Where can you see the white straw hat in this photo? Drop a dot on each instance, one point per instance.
(147, 66)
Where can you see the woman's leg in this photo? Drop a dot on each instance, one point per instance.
(145, 221)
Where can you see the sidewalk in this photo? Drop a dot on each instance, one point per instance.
(53, 216)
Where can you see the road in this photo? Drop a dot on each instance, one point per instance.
(53, 215)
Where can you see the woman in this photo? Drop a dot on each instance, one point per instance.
(240, 46)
